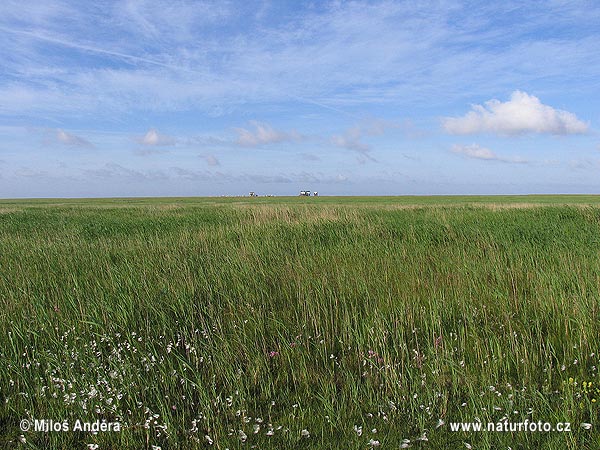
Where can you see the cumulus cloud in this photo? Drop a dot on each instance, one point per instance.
(263, 134)
(522, 114)
(72, 140)
(476, 151)
(154, 139)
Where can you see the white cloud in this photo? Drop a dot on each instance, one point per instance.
(309, 157)
(115, 171)
(474, 151)
(258, 178)
(173, 21)
(70, 139)
(154, 138)
(263, 134)
(523, 113)
(26, 172)
(163, 55)
(378, 127)
(148, 151)
(351, 139)
(584, 164)
(211, 160)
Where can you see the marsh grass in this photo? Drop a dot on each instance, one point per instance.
(287, 323)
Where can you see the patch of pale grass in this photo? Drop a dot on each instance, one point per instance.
(268, 214)
(505, 206)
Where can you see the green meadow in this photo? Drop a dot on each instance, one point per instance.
(300, 323)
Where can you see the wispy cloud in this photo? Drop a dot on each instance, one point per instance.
(26, 172)
(86, 48)
(70, 139)
(522, 114)
(147, 151)
(116, 171)
(175, 22)
(378, 127)
(198, 68)
(475, 151)
(180, 54)
(263, 134)
(353, 137)
(351, 140)
(585, 164)
(154, 139)
(113, 171)
(211, 160)
(309, 157)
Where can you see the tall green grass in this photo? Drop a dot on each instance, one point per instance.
(298, 323)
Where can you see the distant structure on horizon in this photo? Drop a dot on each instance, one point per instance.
(305, 193)
(253, 194)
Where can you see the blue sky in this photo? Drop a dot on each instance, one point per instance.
(167, 98)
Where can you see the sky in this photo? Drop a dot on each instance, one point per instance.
(197, 98)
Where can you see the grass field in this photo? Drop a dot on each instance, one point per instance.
(296, 323)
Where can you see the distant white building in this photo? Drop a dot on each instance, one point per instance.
(305, 193)
(316, 194)
(253, 194)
